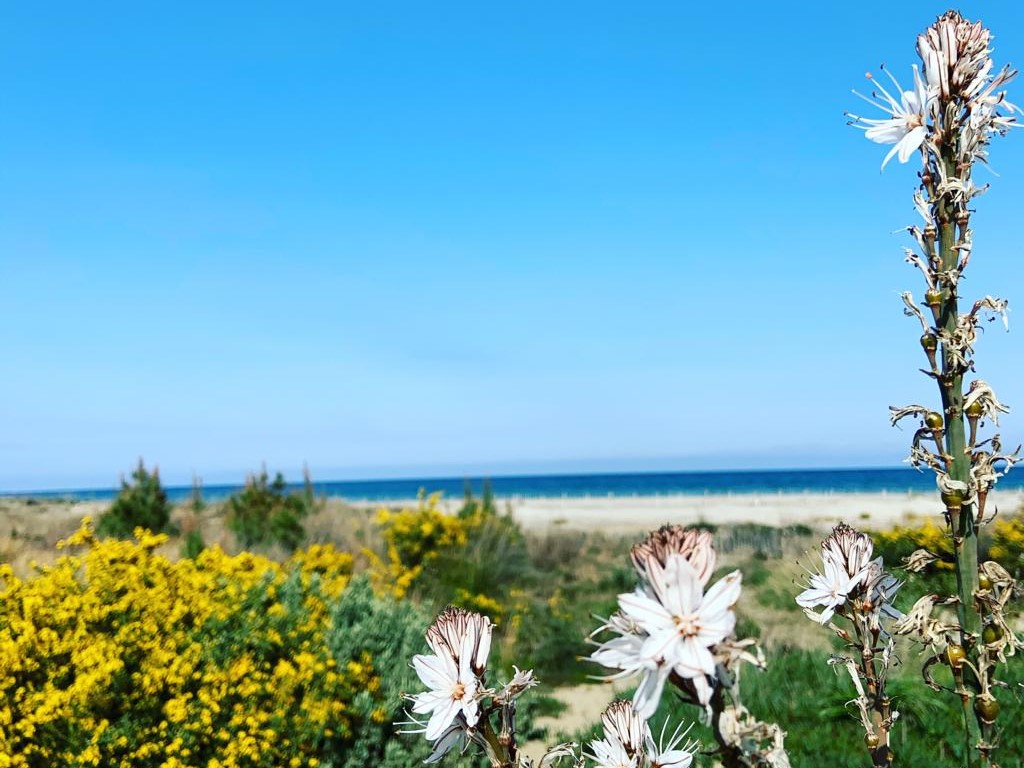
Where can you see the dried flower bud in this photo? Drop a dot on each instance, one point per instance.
(918, 560)
(694, 545)
(457, 631)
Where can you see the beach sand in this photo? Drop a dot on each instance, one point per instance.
(31, 528)
(631, 514)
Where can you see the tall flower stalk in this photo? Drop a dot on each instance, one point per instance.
(956, 105)
(854, 593)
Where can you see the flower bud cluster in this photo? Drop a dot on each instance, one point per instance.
(628, 743)
(850, 582)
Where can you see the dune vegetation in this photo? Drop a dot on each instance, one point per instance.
(195, 646)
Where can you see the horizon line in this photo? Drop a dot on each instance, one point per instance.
(466, 477)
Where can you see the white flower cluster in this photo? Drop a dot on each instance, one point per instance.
(669, 626)
(850, 574)
(628, 742)
(959, 95)
(460, 706)
(454, 675)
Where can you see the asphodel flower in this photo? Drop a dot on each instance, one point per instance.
(461, 641)
(905, 127)
(678, 624)
(850, 548)
(845, 556)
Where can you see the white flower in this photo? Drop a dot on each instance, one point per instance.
(622, 652)
(452, 691)
(624, 738)
(849, 572)
(676, 753)
(845, 556)
(906, 126)
(461, 641)
(680, 624)
(829, 590)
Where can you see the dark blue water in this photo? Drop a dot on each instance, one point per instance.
(625, 484)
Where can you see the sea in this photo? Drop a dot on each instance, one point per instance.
(625, 484)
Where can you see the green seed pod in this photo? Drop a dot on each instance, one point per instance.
(929, 342)
(987, 708)
(992, 633)
(952, 499)
(985, 582)
(974, 410)
(871, 740)
(933, 420)
(955, 655)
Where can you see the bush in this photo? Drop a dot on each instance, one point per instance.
(901, 541)
(471, 507)
(265, 513)
(389, 632)
(413, 538)
(1008, 543)
(119, 657)
(192, 544)
(140, 504)
(473, 560)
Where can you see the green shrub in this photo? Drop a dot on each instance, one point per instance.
(140, 504)
(265, 513)
(193, 544)
(390, 632)
(471, 507)
(196, 502)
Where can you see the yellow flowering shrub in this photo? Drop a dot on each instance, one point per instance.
(476, 559)
(116, 656)
(413, 539)
(1008, 542)
(900, 541)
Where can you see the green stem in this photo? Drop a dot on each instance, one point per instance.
(962, 521)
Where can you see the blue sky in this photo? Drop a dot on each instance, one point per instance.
(445, 238)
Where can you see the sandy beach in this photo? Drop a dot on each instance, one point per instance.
(46, 521)
(629, 514)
